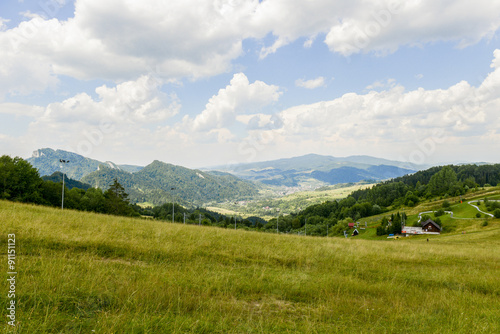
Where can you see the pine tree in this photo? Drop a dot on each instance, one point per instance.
(117, 200)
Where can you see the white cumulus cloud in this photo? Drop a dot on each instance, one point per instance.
(310, 84)
(238, 97)
(120, 40)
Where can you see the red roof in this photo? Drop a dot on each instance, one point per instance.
(351, 224)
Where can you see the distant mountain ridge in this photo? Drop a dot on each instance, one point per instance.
(68, 182)
(46, 160)
(321, 169)
(154, 182)
(160, 182)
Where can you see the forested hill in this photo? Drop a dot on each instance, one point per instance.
(68, 182)
(436, 181)
(160, 182)
(409, 190)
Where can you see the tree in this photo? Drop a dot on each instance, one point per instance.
(496, 213)
(341, 226)
(117, 200)
(439, 212)
(441, 182)
(19, 181)
(382, 228)
(51, 193)
(410, 199)
(93, 200)
(376, 209)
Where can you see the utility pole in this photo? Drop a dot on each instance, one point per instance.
(199, 220)
(184, 218)
(277, 224)
(235, 222)
(173, 204)
(63, 162)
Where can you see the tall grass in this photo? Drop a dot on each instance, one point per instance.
(82, 272)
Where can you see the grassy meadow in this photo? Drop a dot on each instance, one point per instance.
(89, 273)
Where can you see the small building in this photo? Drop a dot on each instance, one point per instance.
(355, 232)
(351, 225)
(411, 230)
(430, 227)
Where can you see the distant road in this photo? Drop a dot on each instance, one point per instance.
(486, 213)
(451, 213)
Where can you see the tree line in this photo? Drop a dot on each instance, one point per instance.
(21, 182)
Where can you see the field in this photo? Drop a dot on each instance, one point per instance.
(85, 273)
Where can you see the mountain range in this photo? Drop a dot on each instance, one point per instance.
(156, 183)
(161, 182)
(320, 170)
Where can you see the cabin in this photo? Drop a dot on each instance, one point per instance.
(351, 225)
(430, 227)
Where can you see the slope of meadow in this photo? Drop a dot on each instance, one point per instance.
(83, 273)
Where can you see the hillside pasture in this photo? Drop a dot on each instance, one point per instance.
(83, 273)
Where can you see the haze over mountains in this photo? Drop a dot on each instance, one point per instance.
(160, 182)
(314, 168)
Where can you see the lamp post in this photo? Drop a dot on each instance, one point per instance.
(63, 162)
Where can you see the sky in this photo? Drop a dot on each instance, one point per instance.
(213, 82)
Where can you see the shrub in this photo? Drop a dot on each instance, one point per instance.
(494, 205)
(446, 204)
(485, 223)
(478, 215)
(438, 213)
(425, 217)
(496, 213)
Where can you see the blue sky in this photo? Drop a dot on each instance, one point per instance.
(201, 83)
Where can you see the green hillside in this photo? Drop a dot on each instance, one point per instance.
(154, 183)
(84, 273)
(68, 182)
